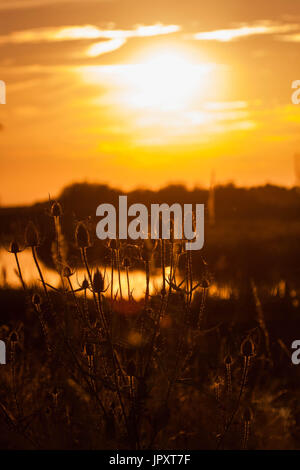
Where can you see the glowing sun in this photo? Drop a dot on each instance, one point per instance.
(165, 81)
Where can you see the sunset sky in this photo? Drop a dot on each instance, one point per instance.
(138, 93)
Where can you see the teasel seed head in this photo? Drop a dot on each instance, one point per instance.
(89, 349)
(14, 339)
(82, 235)
(67, 272)
(14, 247)
(36, 300)
(247, 348)
(228, 360)
(56, 210)
(98, 282)
(31, 235)
(204, 284)
(85, 284)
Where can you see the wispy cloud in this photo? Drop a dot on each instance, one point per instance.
(119, 37)
(245, 30)
(71, 33)
(290, 37)
(116, 37)
(113, 38)
(105, 46)
(23, 4)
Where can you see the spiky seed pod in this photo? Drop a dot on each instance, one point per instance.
(14, 247)
(247, 348)
(36, 300)
(205, 284)
(98, 282)
(131, 368)
(14, 339)
(82, 236)
(228, 360)
(67, 272)
(85, 284)
(89, 349)
(56, 209)
(31, 235)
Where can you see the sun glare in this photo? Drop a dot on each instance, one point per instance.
(165, 81)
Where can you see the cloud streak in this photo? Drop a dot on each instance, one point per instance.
(290, 37)
(71, 33)
(115, 38)
(245, 30)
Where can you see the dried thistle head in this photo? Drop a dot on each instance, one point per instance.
(56, 210)
(205, 284)
(98, 282)
(85, 284)
(14, 247)
(14, 339)
(228, 360)
(247, 348)
(89, 349)
(82, 235)
(32, 238)
(36, 300)
(67, 272)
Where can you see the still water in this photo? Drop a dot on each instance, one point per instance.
(9, 276)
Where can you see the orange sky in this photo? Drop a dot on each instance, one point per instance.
(137, 93)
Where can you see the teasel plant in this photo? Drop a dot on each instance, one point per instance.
(36, 301)
(32, 240)
(13, 341)
(228, 364)
(67, 273)
(247, 353)
(146, 254)
(127, 264)
(15, 250)
(83, 242)
(59, 254)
